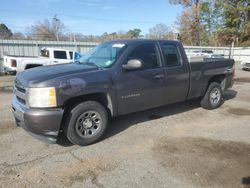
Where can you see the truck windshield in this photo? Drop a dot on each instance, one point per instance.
(103, 55)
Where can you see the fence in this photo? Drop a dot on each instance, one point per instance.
(32, 48)
(237, 53)
(241, 54)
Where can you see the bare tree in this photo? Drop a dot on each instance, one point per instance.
(48, 30)
(160, 31)
(18, 36)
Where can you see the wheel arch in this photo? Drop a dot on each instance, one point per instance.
(220, 79)
(29, 66)
(101, 97)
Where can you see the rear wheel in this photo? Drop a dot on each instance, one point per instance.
(213, 97)
(86, 123)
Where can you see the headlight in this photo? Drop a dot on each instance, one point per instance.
(42, 97)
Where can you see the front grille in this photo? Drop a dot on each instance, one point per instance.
(248, 64)
(21, 100)
(20, 89)
(20, 92)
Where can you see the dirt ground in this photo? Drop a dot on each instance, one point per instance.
(180, 145)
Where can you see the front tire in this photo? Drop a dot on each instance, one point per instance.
(213, 97)
(86, 123)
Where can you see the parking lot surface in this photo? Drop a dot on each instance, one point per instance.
(180, 145)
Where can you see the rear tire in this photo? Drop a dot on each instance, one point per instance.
(86, 123)
(213, 97)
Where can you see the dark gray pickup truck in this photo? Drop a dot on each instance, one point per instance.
(115, 78)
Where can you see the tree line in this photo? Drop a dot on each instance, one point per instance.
(214, 22)
(55, 30)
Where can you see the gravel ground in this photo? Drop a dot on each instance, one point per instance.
(180, 145)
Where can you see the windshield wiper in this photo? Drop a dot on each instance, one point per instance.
(87, 63)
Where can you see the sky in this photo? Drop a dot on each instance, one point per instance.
(89, 17)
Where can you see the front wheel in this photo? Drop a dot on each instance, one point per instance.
(86, 123)
(213, 97)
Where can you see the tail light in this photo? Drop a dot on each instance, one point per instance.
(13, 63)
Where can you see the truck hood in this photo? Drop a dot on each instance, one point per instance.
(36, 76)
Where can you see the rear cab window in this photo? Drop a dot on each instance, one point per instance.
(171, 55)
(207, 51)
(44, 53)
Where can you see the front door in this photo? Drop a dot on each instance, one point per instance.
(144, 88)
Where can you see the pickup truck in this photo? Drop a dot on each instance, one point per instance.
(48, 56)
(245, 65)
(205, 54)
(115, 78)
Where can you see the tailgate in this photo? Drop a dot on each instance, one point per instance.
(10, 62)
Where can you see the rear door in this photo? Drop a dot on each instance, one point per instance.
(141, 89)
(177, 73)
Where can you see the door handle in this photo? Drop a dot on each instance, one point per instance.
(55, 61)
(159, 76)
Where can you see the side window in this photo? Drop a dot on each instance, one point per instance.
(71, 54)
(147, 53)
(60, 55)
(171, 55)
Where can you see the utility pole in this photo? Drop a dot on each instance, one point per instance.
(56, 26)
(197, 22)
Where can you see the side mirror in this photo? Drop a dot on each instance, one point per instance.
(133, 64)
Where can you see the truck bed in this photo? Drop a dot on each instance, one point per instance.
(201, 72)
